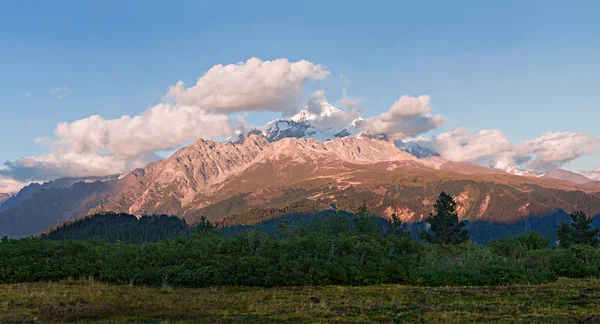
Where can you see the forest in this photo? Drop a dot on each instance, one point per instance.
(336, 248)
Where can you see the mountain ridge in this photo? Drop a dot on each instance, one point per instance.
(219, 180)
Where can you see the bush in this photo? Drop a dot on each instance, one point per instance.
(470, 264)
(577, 261)
(519, 246)
(333, 251)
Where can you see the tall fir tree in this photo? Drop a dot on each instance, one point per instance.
(445, 227)
(578, 231)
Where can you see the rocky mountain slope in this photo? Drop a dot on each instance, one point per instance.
(256, 179)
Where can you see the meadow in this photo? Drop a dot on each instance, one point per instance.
(563, 301)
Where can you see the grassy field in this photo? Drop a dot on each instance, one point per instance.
(568, 300)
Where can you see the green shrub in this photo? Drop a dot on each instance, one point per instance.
(519, 246)
(470, 264)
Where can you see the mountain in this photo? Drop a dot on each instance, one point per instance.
(323, 126)
(416, 150)
(256, 180)
(30, 190)
(4, 197)
(506, 167)
(565, 175)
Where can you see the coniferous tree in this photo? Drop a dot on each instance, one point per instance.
(445, 227)
(204, 226)
(395, 227)
(579, 231)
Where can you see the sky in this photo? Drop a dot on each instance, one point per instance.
(504, 81)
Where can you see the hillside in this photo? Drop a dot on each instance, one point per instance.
(233, 180)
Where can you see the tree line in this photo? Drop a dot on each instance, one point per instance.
(335, 249)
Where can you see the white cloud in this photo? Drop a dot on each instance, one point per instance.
(550, 150)
(409, 116)
(252, 85)
(554, 149)
(28, 94)
(323, 115)
(95, 146)
(62, 92)
(8, 185)
(460, 145)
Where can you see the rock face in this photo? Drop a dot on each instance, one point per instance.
(256, 179)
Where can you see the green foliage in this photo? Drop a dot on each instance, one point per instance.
(113, 227)
(576, 261)
(579, 231)
(445, 227)
(470, 264)
(336, 249)
(365, 222)
(520, 245)
(204, 227)
(395, 227)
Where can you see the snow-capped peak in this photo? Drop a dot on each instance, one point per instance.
(506, 167)
(327, 110)
(416, 150)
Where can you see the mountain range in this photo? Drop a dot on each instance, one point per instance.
(257, 178)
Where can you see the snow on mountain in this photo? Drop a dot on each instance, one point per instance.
(416, 150)
(506, 167)
(327, 110)
(323, 126)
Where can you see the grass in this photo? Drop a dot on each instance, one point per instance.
(567, 300)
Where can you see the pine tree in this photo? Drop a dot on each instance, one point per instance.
(579, 231)
(204, 226)
(395, 227)
(445, 227)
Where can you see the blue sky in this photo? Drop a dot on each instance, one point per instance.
(524, 67)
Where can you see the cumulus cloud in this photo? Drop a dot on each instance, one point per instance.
(460, 145)
(95, 146)
(554, 149)
(62, 92)
(409, 116)
(550, 150)
(252, 85)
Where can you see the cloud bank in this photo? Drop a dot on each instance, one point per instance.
(550, 150)
(95, 146)
(252, 85)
